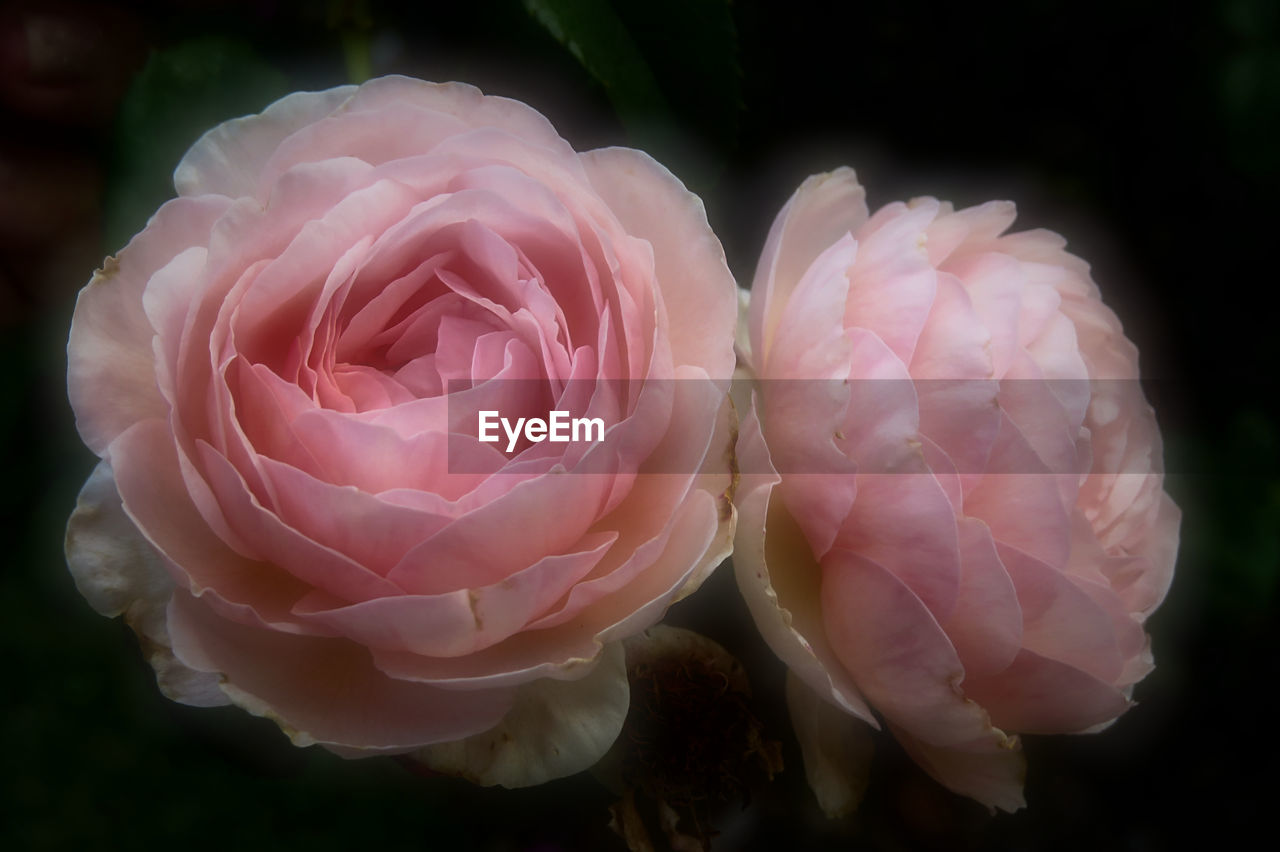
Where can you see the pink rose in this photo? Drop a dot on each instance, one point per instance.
(952, 507)
(283, 375)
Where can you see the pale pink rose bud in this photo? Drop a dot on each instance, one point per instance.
(952, 508)
(283, 375)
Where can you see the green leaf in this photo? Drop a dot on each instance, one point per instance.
(669, 67)
(1231, 515)
(592, 31)
(692, 48)
(181, 92)
(353, 20)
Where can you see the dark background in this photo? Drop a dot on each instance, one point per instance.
(1147, 137)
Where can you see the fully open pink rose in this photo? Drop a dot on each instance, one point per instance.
(952, 507)
(282, 375)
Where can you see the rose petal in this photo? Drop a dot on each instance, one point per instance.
(653, 204)
(119, 573)
(1037, 695)
(780, 580)
(110, 371)
(554, 728)
(892, 285)
(992, 772)
(898, 655)
(561, 650)
(836, 748)
(986, 624)
(453, 624)
(325, 690)
(227, 159)
(159, 502)
(824, 208)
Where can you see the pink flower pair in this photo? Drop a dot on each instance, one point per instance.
(951, 502)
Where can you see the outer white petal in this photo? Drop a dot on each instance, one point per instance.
(111, 374)
(228, 159)
(119, 573)
(991, 772)
(554, 729)
(837, 749)
(795, 634)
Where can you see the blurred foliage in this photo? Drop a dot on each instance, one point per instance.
(669, 67)
(181, 92)
(1249, 84)
(1230, 497)
(694, 50)
(597, 38)
(353, 20)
